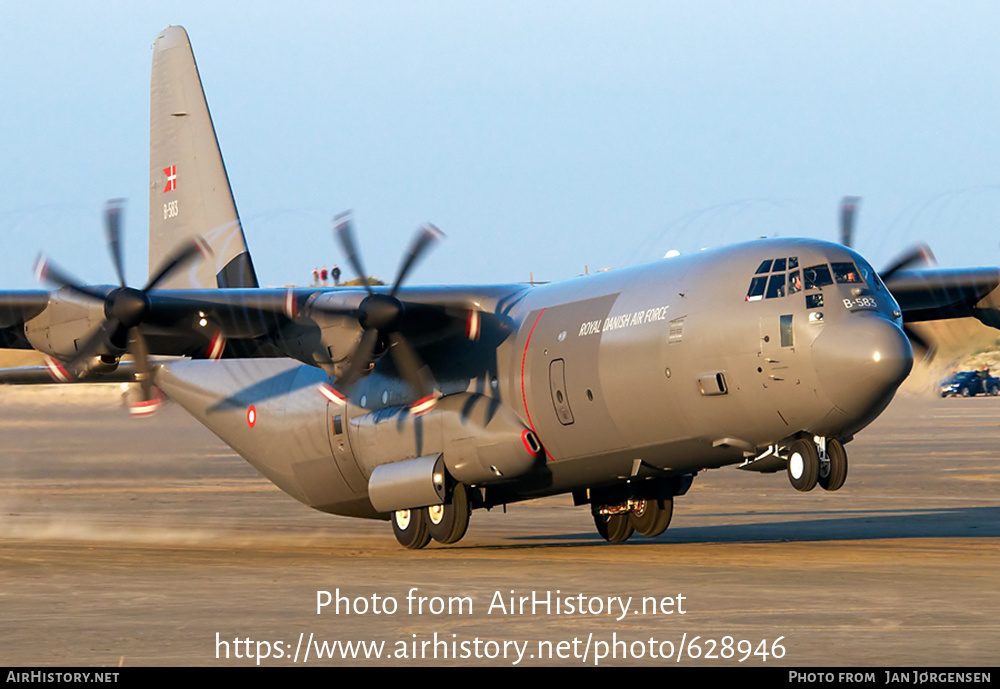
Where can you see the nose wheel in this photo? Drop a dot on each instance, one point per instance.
(803, 465)
(833, 472)
(810, 464)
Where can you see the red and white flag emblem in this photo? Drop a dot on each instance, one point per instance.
(171, 173)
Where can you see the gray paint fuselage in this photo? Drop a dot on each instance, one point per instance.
(606, 369)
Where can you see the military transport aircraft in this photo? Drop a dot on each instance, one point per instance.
(617, 388)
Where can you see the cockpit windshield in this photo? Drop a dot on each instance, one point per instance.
(778, 277)
(845, 273)
(818, 277)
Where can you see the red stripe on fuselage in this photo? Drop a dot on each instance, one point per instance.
(524, 395)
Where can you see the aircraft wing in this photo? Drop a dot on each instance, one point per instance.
(16, 308)
(41, 375)
(935, 294)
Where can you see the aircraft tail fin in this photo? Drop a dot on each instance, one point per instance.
(189, 192)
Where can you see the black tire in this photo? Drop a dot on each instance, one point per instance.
(652, 517)
(614, 528)
(965, 392)
(803, 465)
(836, 472)
(994, 390)
(410, 528)
(448, 523)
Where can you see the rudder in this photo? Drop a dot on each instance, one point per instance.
(189, 192)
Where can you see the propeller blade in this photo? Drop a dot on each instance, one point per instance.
(112, 224)
(196, 248)
(848, 214)
(425, 235)
(140, 352)
(360, 360)
(58, 372)
(332, 394)
(410, 367)
(343, 229)
(216, 346)
(294, 307)
(918, 254)
(91, 349)
(46, 271)
(919, 342)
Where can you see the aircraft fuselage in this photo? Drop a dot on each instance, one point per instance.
(646, 373)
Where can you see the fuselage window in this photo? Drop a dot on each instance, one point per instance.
(846, 273)
(817, 276)
(787, 334)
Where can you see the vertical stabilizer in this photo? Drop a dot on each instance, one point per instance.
(189, 192)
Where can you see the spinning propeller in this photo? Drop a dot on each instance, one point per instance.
(125, 309)
(381, 317)
(920, 254)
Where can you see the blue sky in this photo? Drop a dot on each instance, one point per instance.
(541, 136)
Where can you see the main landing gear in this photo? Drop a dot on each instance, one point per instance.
(650, 518)
(823, 461)
(447, 523)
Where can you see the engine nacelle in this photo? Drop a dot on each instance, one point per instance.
(64, 325)
(318, 337)
(481, 439)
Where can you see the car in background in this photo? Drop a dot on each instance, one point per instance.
(969, 383)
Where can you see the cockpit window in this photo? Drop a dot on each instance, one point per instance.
(771, 279)
(846, 273)
(869, 275)
(817, 277)
(756, 290)
(794, 282)
(776, 285)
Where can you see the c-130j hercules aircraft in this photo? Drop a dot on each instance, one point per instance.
(420, 405)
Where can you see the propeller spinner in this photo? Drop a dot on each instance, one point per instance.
(125, 309)
(381, 316)
(919, 254)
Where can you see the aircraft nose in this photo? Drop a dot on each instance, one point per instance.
(860, 362)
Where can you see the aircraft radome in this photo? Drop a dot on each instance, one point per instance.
(419, 405)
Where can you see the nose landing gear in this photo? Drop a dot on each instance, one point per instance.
(822, 461)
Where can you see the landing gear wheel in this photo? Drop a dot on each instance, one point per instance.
(615, 528)
(448, 523)
(652, 517)
(836, 468)
(803, 465)
(410, 528)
